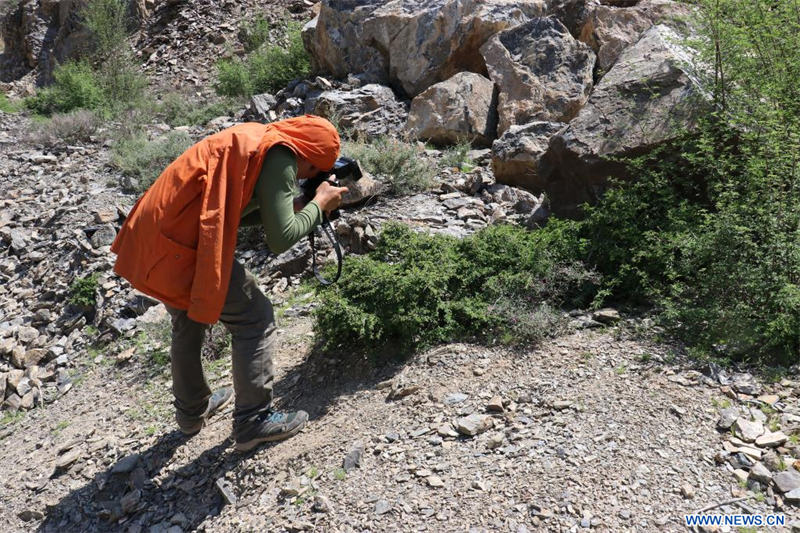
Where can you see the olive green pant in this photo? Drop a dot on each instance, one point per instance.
(248, 316)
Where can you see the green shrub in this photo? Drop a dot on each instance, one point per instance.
(144, 160)
(417, 289)
(106, 21)
(266, 69)
(83, 291)
(401, 165)
(75, 87)
(457, 157)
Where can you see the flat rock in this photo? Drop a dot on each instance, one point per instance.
(771, 440)
(760, 473)
(746, 430)
(788, 480)
(474, 424)
(727, 417)
(126, 464)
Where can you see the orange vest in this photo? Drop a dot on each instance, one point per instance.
(178, 240)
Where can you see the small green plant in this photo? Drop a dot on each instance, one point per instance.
(339, 474)
(267, 68)
(83, 291)
(253, 34)
(61, 426)
(767, 409)
(724, 403)
(11, 417)
(9, 106)
(457, 157)
(794, 439)
(620, 370)
(313, 472)
(401, 165)
(644, 357)
(144, 160)
(586, 356)
(181, 110)
(774, 424)
(760, 497)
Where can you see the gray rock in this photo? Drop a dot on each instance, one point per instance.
(746, 430)
(793, 496)
(260, 105)
(353, 458)
(104, 236)
(760, 473)
(542, 72)
(456, 397)
(516, 155)
(606, 316)
(727, 417)
(745, 383)
(226, 491)
(130, 501)
(458, 109)
(370, 110)
(771, 440)
(126, 464)
(382, 507)
(788, 480)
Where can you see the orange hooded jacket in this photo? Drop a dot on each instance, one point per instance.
(178, 240)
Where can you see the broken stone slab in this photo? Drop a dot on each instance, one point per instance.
(788, 480)
(353, 458)
(516, 155)
(130, 501)
(474, 424)
(606, 316)
(462, 108)
(648, 98)
(226, 491)
(104, 236)
(747, 430)
(771, 440)
(68, 458)
(727, 417)
(793, 497)
(126, 464)
(541, 71)
(760, 473)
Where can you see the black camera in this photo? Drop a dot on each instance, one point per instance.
(344, 169)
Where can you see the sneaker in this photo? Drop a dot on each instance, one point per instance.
(271, 426)
(219, 399)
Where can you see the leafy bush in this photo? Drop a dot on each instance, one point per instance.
(75, 87)
(144, 160)
(266, 69)
(710, 235)
(418, 289)
(401, 165)
(457, 157)
(83, 291)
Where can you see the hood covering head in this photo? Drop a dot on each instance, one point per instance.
(312, 138)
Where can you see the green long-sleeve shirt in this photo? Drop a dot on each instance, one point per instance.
(272, 203)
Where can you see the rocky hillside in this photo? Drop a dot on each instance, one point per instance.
(604, 428)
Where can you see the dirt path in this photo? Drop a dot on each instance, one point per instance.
(595, 431)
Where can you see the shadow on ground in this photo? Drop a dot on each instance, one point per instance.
(151, 493)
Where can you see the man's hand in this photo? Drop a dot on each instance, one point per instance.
(329, 197)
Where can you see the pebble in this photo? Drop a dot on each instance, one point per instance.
(495, 405)
(382, 507)
(727, 417)
(126, 464)
(353, 458)
(687, 491)
(321, 504)
(435, 481)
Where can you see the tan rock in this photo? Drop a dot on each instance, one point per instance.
(771, 440)
(461, 108)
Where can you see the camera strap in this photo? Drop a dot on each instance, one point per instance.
(328, 230)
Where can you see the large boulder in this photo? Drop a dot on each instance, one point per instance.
(370, 110)
(609, 30)
(542, 72)
(461, 108)
(648, 98)
(516, 155)
(406, 43)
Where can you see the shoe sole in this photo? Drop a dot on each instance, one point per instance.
(207, 416)
(249, 445)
